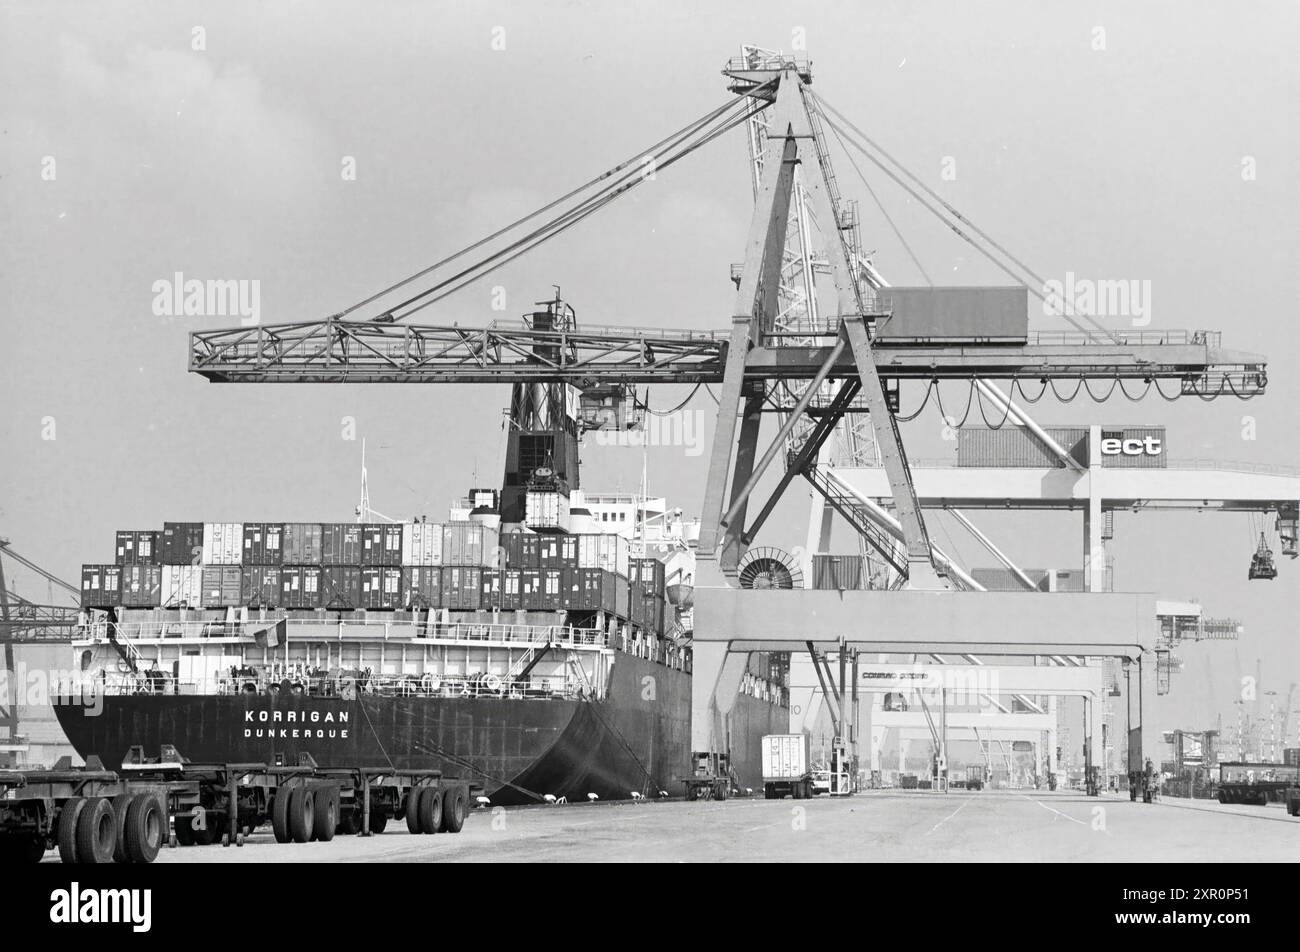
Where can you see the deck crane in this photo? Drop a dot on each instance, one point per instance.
(841, 364)
(26, 622)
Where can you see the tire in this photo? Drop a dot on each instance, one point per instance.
(96, 831)
(120, 804)
(413, 809)
(350, 823)
(68, 817)
(280, 815)
(454, 805)
(1223, 796)
(430, 809)
(326, 811)
(21, 849)
(209, 833)
(146, 828)
(378, 821)
(185, 830)
(302, 814)
(719, 791)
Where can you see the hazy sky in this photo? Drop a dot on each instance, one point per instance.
(1106, 139)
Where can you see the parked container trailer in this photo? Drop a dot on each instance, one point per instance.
(301, 543)
(461, 586)
(340, 587)
(422, 587)
(223, 543)
(422, 543)
(786, 770)
(263, 543)
(381, 587)
(101, 586)
(260, 586)
(182, 586)
(137, 547)
(300, 586)
(141, 586)
(492, 589)
(181, 543)
(340, 543)
(470, 543)
(222, 586)
(381, 544)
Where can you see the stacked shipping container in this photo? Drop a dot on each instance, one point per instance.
(460, 566)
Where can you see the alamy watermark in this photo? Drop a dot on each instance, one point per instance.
(684, 428)
(178, 296)
(1088, 297)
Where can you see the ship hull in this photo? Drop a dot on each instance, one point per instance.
(635, 739)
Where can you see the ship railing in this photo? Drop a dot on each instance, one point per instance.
(478, 686)
(564, 635)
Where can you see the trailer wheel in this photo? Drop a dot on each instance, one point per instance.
(206, 834)
(96, 832)
(430, 809)
(453, 809)
(302, 813)
(68, 817)
(184, 831)
(21, 848)
(280, 815)
(378, 821)
(350, 822)
(145, 828)
(413, 809)
(326, 818)
(1223, 796)
(719, 791)
(120, 804)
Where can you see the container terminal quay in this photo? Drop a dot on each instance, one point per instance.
(553, 671)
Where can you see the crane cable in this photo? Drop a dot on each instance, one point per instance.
(962, 234)
(674, 137)
(555, 226)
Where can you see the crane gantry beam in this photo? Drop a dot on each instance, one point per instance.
(339, 351)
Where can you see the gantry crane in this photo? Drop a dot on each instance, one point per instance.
(811, 375)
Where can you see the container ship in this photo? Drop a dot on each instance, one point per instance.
(540, 665)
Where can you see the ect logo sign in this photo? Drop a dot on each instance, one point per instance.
(1131, 446)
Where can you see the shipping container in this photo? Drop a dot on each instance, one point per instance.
(546, 511)
(222, 586)
(530, 590)
(1012, 447)
(263, 543)
(302, 543)
(470, 543)
(101, 586)
(1291, 756)
(512, 590)
(300, 586)
(340, 543)
(137, 547)
(141, 586)
(223, 544)
(636, 608)
(381, 543)
(381, 587)
(622, 595)
(603, 551)
(422, 587)
(548, 552)
(421, 543)
(785, 756)
(648, 572)
(182, 586)
(461, 586)
(843, 573)
(492, 590)
(568, 551)
(181, 543)
(530, 551)
(976, 315)
(340, 587)
(552, 596)
(260, 586)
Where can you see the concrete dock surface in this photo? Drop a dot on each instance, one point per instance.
(875, 826)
